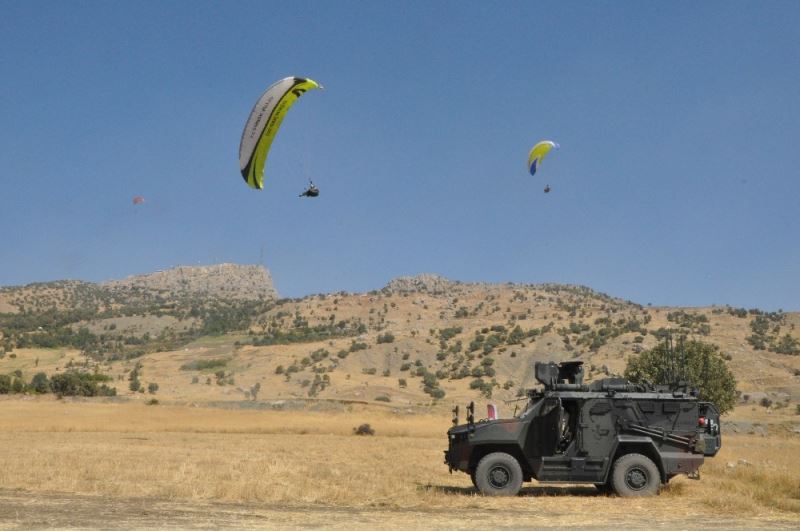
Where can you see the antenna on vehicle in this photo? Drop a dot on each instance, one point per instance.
(670, 365)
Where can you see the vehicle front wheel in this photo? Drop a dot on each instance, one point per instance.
(498, 474)
(635, 475)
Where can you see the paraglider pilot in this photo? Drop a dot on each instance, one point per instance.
(312, 191)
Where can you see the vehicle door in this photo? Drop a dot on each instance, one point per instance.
(543, 432)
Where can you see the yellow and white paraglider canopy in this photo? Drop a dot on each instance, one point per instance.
(537, 153)
(263, 124)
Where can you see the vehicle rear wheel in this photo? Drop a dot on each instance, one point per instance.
(498, 474)
(635, 475)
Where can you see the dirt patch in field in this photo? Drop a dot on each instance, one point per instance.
(20, 510)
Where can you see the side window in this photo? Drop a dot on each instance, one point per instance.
(569, 423)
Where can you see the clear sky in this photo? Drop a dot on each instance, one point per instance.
(676, 182)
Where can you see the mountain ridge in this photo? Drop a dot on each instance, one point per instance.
(418, 338)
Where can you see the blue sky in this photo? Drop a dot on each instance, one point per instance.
(676, 182)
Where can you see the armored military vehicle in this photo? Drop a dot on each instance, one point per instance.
(622, 437)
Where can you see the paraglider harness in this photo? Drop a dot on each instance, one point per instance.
(312, 191)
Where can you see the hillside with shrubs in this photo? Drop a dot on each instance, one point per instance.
(418, 340)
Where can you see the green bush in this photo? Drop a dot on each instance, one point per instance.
(75, 383)
(705, 367)
(787, 345)
(516, 336)
(446, 334)
(437, 393)
(356, 346)
(388, 337)
(204, 365)
(40, 383)
(5, 384)
(319, 355)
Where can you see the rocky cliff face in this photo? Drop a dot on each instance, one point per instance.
(244, 282)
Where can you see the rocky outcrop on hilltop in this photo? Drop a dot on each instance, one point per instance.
(231, 281)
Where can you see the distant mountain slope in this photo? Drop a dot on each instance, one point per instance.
(416, 339)
(244, 282)
(127, 318)
(228, 281)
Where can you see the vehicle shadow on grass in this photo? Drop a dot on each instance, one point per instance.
(532, 491)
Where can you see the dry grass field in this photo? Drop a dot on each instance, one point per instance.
(308, 468)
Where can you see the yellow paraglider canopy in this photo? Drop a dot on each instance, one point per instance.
(263, 124)
(538, 152)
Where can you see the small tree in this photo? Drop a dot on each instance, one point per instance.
(152, 387)
(388, 337)
(17, 386)
(704, 367)
(40, 384)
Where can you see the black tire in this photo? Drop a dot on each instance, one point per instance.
(472, 477)
(498, 474)
(635, 475)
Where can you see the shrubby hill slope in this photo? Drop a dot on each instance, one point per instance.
(219, 334)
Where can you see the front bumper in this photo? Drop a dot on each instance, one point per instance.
(458, 452)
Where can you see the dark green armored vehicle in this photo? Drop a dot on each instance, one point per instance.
(619, 436)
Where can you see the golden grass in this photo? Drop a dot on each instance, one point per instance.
(303, 458)
(45, 414)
